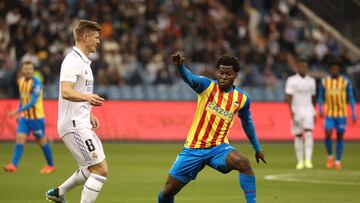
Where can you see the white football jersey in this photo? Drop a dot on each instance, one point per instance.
(73, 116)
(302, 90)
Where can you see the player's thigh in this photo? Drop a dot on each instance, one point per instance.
(340, 124)
(187, 165)
(23, 127)
(297, 125)
(308, 122)
(219, 161)
(329, 123)
(85, 147)
(38, 128)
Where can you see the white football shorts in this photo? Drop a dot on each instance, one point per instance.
(301, 123)
(85, 146)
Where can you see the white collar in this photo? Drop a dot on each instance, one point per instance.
(82, 55)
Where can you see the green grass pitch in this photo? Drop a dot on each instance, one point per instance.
(138, 172)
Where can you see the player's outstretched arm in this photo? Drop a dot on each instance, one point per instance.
(34, 97)
(197, 83)
(68, 93)
(249, 128)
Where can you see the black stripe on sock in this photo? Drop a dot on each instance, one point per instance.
(98, 179)
(91, 189)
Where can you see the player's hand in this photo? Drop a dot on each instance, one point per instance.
(95, 100)
(260, 156)
(177, 59)
(94, 122)
(14, 114)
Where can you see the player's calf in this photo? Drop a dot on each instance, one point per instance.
(171, 188)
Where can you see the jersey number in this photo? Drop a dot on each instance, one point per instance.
(90, 145)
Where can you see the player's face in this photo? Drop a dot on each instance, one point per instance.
(334, 70)
(92, 39)
(226, 76)
(27, 71)
(302, 68)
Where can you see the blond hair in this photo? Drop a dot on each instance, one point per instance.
(84, 26)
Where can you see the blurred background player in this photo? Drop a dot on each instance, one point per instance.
(31, 118)
(334, 91)
(300, 91)
(76, 123)
(207, 144)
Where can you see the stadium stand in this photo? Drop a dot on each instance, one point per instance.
(139, 36)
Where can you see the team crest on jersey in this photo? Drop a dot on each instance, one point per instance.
(236, 103)
(85, 72)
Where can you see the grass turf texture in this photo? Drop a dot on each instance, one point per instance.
(138, 172)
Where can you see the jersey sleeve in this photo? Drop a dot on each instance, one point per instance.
(288, 87)
(69, 72)
(248, 125)
(35, 92)
(197, 83)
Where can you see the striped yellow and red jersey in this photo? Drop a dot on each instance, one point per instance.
(335, 91)
(214, 116)
(31, 98)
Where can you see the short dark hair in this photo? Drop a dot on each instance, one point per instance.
(227, 60)
(84, 26)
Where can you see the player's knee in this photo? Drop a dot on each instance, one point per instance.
(169, 190)
(20, 139)
(243, 165)
(100, 169)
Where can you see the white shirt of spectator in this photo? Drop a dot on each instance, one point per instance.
(302, 89)
(73, 116)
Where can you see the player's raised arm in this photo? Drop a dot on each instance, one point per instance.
(351, 99)
(249, 128)
(197, 83)
(69, 93)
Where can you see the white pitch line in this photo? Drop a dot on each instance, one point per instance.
(291, 178)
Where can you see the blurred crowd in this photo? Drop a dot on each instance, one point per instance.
(139, 36)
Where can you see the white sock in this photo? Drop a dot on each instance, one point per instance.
(299, 148)
(92, 188)
(309, 145)
(78, 178)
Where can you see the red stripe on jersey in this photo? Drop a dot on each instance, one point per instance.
(228, 124)
(211, 121)
(202, 120)
(221, 123)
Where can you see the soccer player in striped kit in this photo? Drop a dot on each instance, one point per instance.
(207, 143)
(31, 118)
(334, 91)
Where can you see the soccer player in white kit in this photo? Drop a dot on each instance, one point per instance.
(300, 91)
(76, 123)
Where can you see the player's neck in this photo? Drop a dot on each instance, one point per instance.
(302, 75)
(83, 49)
